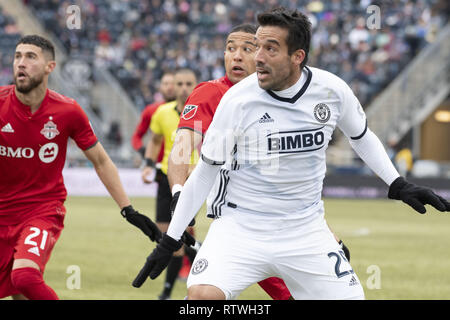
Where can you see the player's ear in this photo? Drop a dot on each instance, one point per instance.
(298, 56)
(50, 66)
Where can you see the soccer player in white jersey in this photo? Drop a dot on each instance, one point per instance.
(272, 130)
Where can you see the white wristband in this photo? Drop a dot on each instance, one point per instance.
(176, 188)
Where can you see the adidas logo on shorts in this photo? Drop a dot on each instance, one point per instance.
(353, 281)
(266, 118)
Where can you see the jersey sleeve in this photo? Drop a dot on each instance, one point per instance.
(221, 137)
(141, 129)
(352, 121)
(82, 132)
(200, 108)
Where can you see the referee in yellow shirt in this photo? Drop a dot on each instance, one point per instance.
(163, 127)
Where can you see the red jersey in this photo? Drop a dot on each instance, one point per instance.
(197, 115)
(201, 105)
(143, 126)
(33, 150)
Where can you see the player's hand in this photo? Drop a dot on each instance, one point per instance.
(158, 260)
(148, 174)
(173, 205)
(142, 222)
(416, 196)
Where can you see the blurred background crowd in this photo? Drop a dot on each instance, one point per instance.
(136, 40)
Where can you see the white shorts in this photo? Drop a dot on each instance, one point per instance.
(241, 249)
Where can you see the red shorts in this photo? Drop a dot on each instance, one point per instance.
(275, 288)
(32, 239)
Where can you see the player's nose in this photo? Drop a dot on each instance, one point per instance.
(237, 55)
(259, 58)
(20, 63)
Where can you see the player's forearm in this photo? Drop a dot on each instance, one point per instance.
(177, 173)
(370, 149)
(109, 175)
(180, 157)
(153, 147)
(194, 193)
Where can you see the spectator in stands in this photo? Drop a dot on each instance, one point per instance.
(147, 37)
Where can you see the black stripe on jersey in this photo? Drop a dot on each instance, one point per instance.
(93, 145)
(219, 200)
(212, 162)
(196, 131)
(361, 135)
(298, 95)
(234, 163)
(224, 193)
(297, 151)
(294, 131)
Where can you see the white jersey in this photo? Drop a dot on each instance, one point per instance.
(274, 146)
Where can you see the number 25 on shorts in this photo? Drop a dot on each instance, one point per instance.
(337, 267)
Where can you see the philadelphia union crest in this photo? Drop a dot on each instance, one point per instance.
(322, 112)
(199, 266)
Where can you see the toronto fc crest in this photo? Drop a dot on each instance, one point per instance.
(50, 130)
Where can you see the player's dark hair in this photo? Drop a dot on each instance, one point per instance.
(297, 24)
(186, 70)
(245, 27)
(40, 42)
(167, 73)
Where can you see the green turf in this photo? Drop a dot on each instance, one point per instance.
(410, 250)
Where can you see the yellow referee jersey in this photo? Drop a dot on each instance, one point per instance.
(165, 122)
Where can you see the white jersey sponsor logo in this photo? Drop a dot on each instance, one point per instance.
(48, 152)
(19, 152)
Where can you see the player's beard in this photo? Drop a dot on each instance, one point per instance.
(28, 86)
(278, 78)
(169, 97)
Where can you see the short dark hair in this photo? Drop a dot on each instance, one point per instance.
(186, 70)
(297, 24)
(245, 27)
(40, 42)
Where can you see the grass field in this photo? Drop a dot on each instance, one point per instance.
(397, 253)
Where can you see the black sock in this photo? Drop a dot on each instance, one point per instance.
(172, 273)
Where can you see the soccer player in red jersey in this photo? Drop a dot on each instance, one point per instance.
(167, 90)
(35, 125)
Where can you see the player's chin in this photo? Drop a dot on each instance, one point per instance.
(235, 78)
(265, 84)
(23, 87)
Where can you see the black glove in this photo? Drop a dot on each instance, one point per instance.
(158, 260)
(173, 205)
(142, 222)
(187, 239)
(416, 196)
(345, 249)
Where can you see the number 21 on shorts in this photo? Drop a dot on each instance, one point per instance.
(35, 233)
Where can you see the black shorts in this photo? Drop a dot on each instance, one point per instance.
(163, 199)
